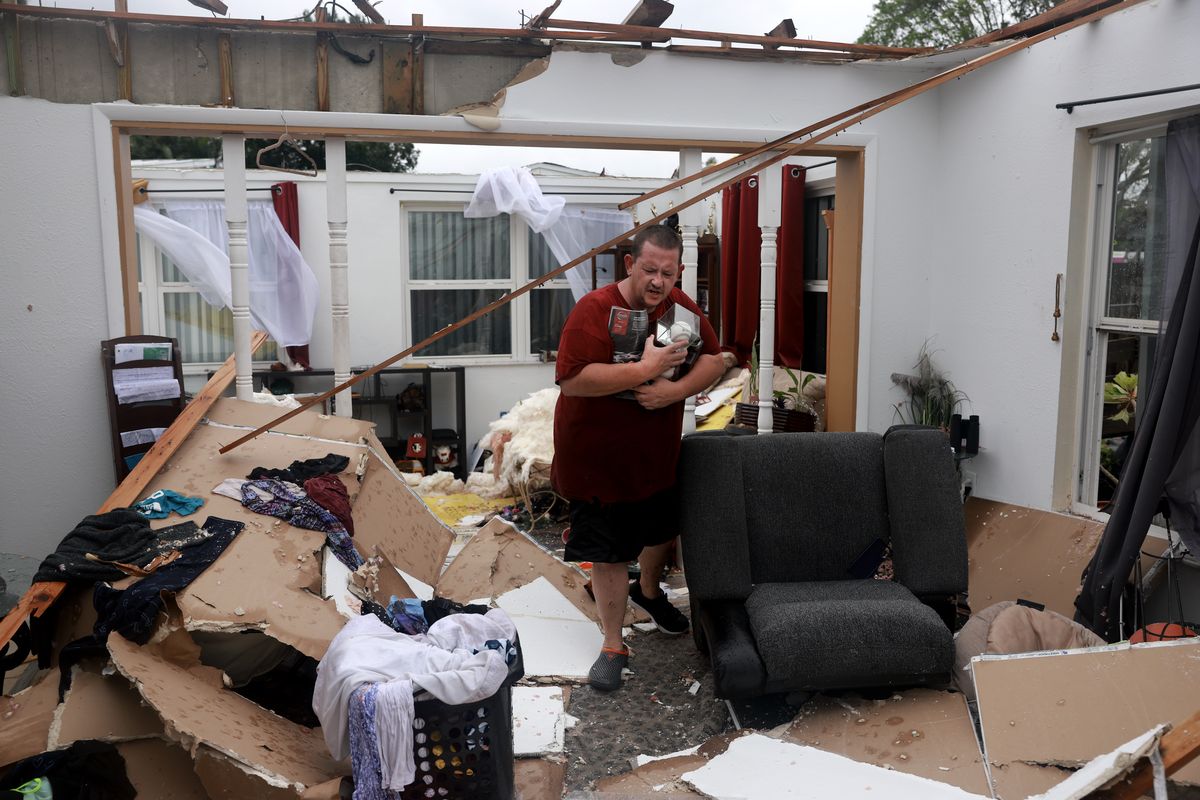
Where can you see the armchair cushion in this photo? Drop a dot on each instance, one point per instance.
(830, 634)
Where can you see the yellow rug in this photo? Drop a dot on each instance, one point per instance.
(717, 419)
(450, 508)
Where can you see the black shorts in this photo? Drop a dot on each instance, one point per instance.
(615, 533)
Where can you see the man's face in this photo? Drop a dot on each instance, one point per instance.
(652, 275)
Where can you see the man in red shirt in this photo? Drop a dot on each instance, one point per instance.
(616, 438)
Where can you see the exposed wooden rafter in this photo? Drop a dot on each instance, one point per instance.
(1059, 14)
(649, 13)
(215, 6)
(784, 30)
(370, 12)
(538, 21)
(225, 67)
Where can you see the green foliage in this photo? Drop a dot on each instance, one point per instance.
(943, 23)
(931, 397)
(1122, 392)
(794, 397)
(360, 156)
(173, 147)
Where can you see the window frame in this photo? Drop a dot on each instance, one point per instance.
(521, 334)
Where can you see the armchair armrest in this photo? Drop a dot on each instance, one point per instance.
(738, 670)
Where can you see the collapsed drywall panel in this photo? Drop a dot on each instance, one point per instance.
(557, 639)
(659, 778)
(269, 580)
(1018, 781)
(25, 719)
(539, 720)
(500, 558)
(538, 778)
(282, 753)
(159, 769)
(104, 708)
(920, 732)
(1016, 552)
(757, 766)
(1067, 708)
(1104, 769)
(390, 518)
(225, 779)
(310, 422)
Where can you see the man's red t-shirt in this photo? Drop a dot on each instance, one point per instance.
(610, 449)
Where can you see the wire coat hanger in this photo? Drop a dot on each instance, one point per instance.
(286, 140)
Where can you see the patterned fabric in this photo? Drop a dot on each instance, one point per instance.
(296, 507)
(364, 746)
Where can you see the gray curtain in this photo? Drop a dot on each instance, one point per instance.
(1162, 469)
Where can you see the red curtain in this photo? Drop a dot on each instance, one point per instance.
(741, 263)
(287, 208)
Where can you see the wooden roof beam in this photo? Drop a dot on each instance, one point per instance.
(649, 13)
(539, 21)
(1059, 14)
(366, 8)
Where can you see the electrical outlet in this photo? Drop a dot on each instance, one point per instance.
(968, 483)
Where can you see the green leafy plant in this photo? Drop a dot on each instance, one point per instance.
(1122, 392)
(794, 397)
(932, 398)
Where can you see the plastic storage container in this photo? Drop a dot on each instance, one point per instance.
(465, 752)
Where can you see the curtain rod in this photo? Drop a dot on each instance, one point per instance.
(144, 190)
(1070, 107)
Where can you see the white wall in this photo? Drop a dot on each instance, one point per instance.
(57, 464)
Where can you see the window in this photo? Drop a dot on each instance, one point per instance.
(1126, 305)
(458, 265)
(172, 307)
(816, 281)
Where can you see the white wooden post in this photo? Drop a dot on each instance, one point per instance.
(339, 279)
(770, 214)
(233, 151)
(690, 220)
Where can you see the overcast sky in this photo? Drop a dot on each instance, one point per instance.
(830, 20)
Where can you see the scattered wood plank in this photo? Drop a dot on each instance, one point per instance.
(370, 12)
(1060, 13)
(1179, 746)
(649, 13)
(784, 30)
(215, 6)
(538, 21)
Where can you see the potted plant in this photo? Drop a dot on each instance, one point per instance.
(792, 412)
(931, 397)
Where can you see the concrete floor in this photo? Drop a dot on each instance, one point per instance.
(16, 573)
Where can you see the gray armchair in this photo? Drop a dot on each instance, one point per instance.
(773, 528)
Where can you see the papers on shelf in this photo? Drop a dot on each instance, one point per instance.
(142, 351)
(146, 383)
(140, 436)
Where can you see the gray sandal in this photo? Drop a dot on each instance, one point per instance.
(605, 674)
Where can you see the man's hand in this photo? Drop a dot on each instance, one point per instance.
(658, 393)
(660, 359)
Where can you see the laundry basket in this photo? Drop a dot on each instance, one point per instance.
(465, 752)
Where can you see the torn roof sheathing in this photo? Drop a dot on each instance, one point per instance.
(25, 719)
(157, 768)
(102, 708)
(195, 712)
(1066, 708)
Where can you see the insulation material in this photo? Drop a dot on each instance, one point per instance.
(390, 518)
(538, 778)
(539, 720)
(335, 577)
(500, 558)
(920, 732)
(103, 708)
(380, 580)
(522, 444)
(268, 582)
(159, 769)
(440, 482)
(557, 639)
(25, 719)
(273, 750)
(1070, 707)
(1014, 552)
(757, 766)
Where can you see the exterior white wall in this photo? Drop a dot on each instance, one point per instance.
(57, 462)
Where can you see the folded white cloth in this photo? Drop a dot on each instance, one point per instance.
(442, 662)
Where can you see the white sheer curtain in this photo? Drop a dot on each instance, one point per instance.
(576, 232)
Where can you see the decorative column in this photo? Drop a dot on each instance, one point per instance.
(339, 279)
(690, 220)
(233, 150)
(770, 214)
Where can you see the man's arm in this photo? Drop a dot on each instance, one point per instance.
(601, 380)
(662, 392)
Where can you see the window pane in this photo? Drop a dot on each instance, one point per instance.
(816, 239)
(1128, 360)
(434, 309)
(548, 309)
(171, 273)
(1137, 262)
(815, 321)
(445, 245)
(542, 260)
(205, 333)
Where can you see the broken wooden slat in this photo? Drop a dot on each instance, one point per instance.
(41, 595)
(649, 13)
(418, 68)
(784, 30)
(12, 54)
(1040, 22)
(1178, 747)
(539, 20)
(322, 72)
(397, 77)
(225, 65)
(749, 54)
(371, 13)
(872, 108)
(215, 6)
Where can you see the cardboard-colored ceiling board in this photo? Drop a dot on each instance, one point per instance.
(103, 708)
(920, 731)
(390, 518)
(500, 558)
(1069, 707)
(25, 719)
(758, 766)
(1018, 781)
(660, 778)
(229, 411)
(196, 468)
(1015, 552)
(1103, 770)
(284, 753)
(538, 778)
(223, 778)
(330, 790)
(263, 582)
(381, 580)
(159, 769)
